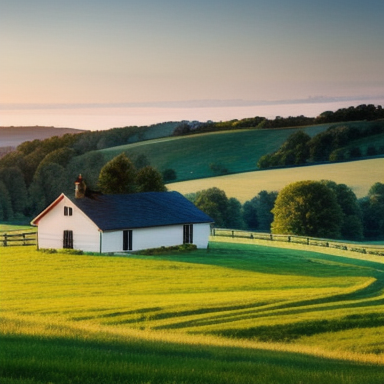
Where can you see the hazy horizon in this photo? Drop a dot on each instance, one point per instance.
(102, 117)
(106, 61)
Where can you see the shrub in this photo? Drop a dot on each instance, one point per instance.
(163, 250)
(47, 250)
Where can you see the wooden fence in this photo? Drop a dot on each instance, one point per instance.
(355, 247)
(12, 239)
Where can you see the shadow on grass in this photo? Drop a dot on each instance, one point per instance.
(293, 331)
(273, 260)
(39, 359)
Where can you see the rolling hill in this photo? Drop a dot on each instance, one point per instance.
(13, 136)
(358, 175)
(191, 156)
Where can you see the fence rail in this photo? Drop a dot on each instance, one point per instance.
(361, 248)
(13, 239)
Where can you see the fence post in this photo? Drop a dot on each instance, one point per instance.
(271, 236)
(307, 240)
(5, 240)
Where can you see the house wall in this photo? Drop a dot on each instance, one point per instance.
(145, 238)
(51, 227)
(201, 234)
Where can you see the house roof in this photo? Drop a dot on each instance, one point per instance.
(140, 210)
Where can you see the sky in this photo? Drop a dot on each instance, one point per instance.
(87, 62)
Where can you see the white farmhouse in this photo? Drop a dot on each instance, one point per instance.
(121, 223)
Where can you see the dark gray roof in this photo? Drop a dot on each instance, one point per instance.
(140, 210)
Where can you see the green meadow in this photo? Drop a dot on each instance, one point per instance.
(191, 156)
(235, 313)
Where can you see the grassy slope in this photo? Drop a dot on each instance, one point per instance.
(66, 317)
(237, 151)
(358, 175)
(376, 140)
(191, 156)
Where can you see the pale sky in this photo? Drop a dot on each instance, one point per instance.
(147, 51)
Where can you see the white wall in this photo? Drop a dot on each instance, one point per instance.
(145, 238)
(86, 236)
(201, 234)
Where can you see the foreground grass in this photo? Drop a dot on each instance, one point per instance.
(238, 314)
(88, 357)
(358, 175)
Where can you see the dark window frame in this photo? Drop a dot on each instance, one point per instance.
(188, 234)
(68, 211)
(127, 240)
(68, 239)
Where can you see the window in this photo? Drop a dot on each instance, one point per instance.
(127, 240)
(68, 239)
(67, 211)
(188, 234)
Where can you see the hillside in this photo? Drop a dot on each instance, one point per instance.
(13, 136)
(191, 156)
(61, 159)
(358, 175)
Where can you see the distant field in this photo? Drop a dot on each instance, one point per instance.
(239, 313)
(358, 175)
(191, 156)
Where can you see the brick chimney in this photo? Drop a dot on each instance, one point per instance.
(80, 187)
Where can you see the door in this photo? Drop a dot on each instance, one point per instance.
(68, 239)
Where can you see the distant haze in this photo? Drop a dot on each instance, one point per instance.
(13, 136)
(106, 116)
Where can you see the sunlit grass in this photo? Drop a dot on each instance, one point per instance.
(358, 175)
(235, 302)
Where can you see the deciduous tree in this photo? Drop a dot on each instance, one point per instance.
(149, 179)
(6, 212)
(118, 176)
(13, 180)
(373, 211)
(307, 208)
(352, 225)
(214, 203)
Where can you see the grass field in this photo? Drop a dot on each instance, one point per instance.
(239, 313)
(15, 228)
(358, 175)
(190, 156)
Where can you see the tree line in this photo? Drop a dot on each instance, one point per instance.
(23, 195)
(334, 144)
(305, 208)
(366, 112)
